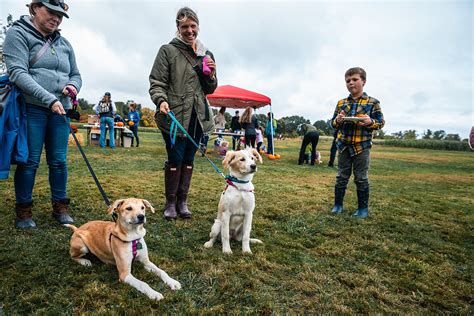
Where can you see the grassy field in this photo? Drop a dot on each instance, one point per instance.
(413, 255)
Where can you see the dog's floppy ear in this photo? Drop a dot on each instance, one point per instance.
(115, 206)
(228, 158)
(147, 204)
(256, 155)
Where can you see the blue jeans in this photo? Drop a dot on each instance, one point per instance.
(52, 130)
(109, 121)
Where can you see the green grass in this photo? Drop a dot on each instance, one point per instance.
(413, 255)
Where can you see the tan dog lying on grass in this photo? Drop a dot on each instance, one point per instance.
(120, 243)
(235, 211)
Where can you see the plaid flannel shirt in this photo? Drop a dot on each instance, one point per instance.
(352, 136)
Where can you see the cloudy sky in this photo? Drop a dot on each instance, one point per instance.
(418, 54)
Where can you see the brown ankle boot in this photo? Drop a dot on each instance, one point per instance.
(183, 189)
(172, 176)
(60, 211)
(23, 218)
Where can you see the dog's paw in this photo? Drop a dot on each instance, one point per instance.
(208, 244)
(154, 295)
(227, 251)
(85, 262)
(174, 285)
(247, 251)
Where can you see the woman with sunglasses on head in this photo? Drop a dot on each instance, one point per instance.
(183, 73)
(43, 66)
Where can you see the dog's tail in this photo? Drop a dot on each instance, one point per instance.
(72, 227)
(255, 241)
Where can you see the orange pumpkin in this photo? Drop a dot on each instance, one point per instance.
(131, 123)
(277, 156)
(120, 124)
(271, 157)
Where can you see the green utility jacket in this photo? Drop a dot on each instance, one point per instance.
(173, 79)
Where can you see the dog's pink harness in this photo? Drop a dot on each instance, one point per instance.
(136, 245)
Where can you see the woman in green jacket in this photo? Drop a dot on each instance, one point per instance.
(179, 84)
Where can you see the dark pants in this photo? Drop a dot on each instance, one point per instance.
(332, 152)
(359, 164)
(134, 130)
(270, 144)
(250, 140)
(313, 138)
(184, 150)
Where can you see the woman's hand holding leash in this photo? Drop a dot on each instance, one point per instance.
(70, 87)
(58, 108)
(164, 107)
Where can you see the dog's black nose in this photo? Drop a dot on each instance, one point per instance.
(253, 167)
(141, 218)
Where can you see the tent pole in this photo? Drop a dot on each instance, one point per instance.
(271, 130)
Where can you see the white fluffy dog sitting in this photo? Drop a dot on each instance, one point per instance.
(235, 211)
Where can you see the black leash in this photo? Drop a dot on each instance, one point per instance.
(72, 114)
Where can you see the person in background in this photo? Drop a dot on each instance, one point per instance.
(219, 120)
(310, 136)
(175, 85)
(270, 131)
(235, 128)
(249, 124)
(259, 138)
(354, 140)
(44, 75)
(333, 150)
(471, 138)
(134, 116)
(106, 110)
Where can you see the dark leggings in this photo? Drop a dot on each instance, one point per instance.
(250, 140)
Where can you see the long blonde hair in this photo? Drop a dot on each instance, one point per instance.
(246, 116)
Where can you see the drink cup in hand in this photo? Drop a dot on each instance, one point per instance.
(205, 68)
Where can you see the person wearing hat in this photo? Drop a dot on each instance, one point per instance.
(179, 82)
(42, 64)
(106, 110)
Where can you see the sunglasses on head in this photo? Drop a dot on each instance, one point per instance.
(59, 3)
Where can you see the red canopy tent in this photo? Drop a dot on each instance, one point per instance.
(234, 97)
(238, 98)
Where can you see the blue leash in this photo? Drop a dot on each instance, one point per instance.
(174, 128)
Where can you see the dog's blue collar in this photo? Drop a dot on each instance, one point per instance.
(234, 179)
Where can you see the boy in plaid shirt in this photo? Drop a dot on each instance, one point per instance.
(354, 140)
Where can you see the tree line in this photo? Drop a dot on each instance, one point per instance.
(286, 125)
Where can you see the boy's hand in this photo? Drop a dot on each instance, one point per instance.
(366, 122)
(340, 116)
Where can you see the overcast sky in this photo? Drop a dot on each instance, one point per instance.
(418, 54)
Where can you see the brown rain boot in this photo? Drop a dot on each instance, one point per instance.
(172, 175)
(183, 189)
(23, 218)
(60, 211)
